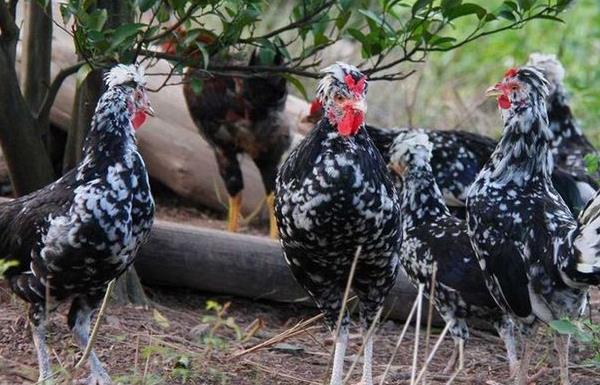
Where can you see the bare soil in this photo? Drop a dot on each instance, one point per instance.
(183, 338)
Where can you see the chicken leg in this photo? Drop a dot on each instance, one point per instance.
(459, 348)
(367, 374)
(80, 317)
(37, 319)
(506, 331)
(273, 231)
(337, 371)
(235, 204)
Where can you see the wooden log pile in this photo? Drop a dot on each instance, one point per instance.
(241, 265)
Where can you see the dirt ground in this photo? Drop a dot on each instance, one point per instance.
(188, 337)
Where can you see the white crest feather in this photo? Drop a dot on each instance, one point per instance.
(332, 74)
(549, 64)
(121, 74)
(415, 142)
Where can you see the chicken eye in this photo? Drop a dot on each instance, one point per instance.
(338, 97)
(514, 87)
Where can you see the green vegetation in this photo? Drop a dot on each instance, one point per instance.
(584, 331)
(451, 84)
(5, 265)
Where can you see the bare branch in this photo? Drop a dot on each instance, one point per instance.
(48, 101)
(238, 70)
(474, 36)
(307, 19)
(168, 31)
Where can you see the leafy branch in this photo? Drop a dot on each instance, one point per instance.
(390, 33)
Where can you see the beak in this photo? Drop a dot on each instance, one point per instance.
(494, 90)
(361, 106)
(149, 110)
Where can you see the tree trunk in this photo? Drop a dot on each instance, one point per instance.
(84, 105)
(26, 157)
(36, 78)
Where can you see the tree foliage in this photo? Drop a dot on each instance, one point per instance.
(389, 32)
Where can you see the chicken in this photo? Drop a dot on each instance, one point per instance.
(431, 235)
(334, 196)
(569, 144)
(75, 235)
(538, 260)
(458, 156)
(240, 116)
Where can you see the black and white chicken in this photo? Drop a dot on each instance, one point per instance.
(75, 235)
(432, 235)
(333, 196)
(458, 156)
(537, 258)
(569, 144)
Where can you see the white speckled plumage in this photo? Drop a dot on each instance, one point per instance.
(75, 235)
(333, 195)
(532, 266)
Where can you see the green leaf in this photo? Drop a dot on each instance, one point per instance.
(97, 19)
(82, 73)
(5, 265)
(342, 19)
(592, 163)
(297, 84)
(525, 4)
(124, 32)
(379, 22)
(346, 4)
(564, 326)
(466, 9)
(196, 85)
(419, 4)
(508, 15)
(550, 17)
(145, 5)
(160, 319)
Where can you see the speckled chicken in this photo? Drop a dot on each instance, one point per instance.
(569, 144)
(75, 235)
(458, 156)
(334, 195)
(431, 235)
(238, 116)
(538, 260)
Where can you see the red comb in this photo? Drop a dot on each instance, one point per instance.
(356, 87)
(315, 106)
(511, 72)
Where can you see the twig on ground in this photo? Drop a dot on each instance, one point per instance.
(338, 326)
(399, 341)
(433, 351)
(279, 373)
(417, 328)
(430, 310)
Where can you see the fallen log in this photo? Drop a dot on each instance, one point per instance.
(240, 265)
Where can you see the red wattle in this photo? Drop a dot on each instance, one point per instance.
(138, 119)
(351, 122)
(503, 102)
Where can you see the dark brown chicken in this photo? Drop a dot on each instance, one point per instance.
(240, 116)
